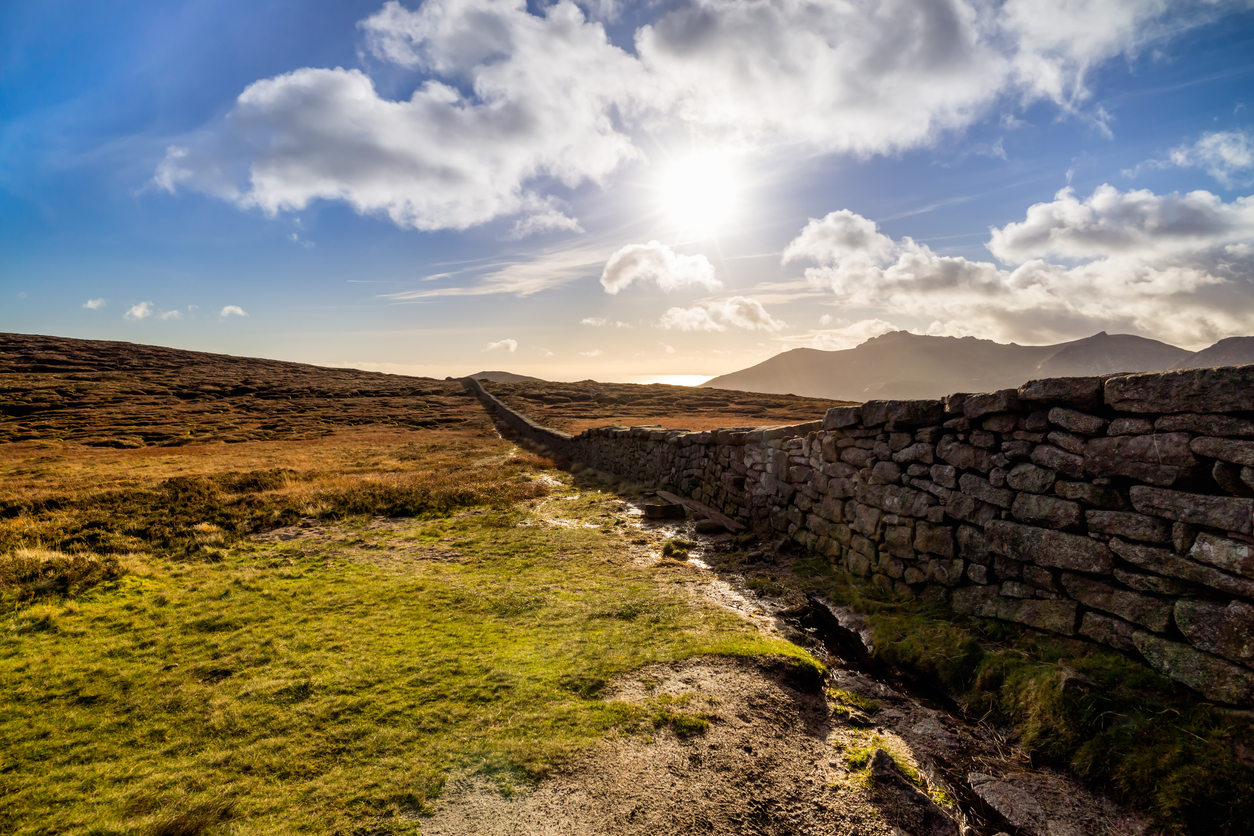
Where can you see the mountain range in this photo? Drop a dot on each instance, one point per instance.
(901, 365)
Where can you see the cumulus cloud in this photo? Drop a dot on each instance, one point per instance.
(655, 262)
(1228, 156)
(736, 312)
(669, 349)
(596, 352)
(512, 102)
(94, 304)
(507, 344)
(168, 315)
(602, 322)
(1176, 267)
(1110, 222)
(510, 97)
(232, 310)
(142, 310)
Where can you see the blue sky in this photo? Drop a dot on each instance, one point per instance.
(622, 191)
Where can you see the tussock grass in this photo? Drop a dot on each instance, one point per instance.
(28, 574)
(1118, 725)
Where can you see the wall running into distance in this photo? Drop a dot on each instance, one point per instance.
(1117, 509)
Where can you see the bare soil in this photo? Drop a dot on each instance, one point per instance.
(764, 766)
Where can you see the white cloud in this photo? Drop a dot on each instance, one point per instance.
(848, 336)
(509, 345)
(540, 94)
(1228, 156)
(142, 310)
(168, 315)
(656, 262)
(512, 104)
(1110, 222)
(232, 310)
(596, 352)
(825, 319)
(94, 304)
(690, 319)
(602, 322)
(1177, 268)
(736, 312)
(669, 349)
(545, 219)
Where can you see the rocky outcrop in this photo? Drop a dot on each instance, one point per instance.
(1119, 509)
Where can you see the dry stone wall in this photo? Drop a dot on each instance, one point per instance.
(1117, 509)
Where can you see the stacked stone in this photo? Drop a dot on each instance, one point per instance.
(1119, 509)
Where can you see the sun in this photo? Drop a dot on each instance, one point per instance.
(699, 192)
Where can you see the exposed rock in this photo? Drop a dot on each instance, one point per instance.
(1225, 631)
(1209, 675)
(1130, 606)
(1057, 616)
(1018, 806)
(1219, 512)
(1151, 583)
(1219, 389)
(1045, 547)
(907, 806)
(1130, 526)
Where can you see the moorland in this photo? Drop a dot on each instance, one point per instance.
(245, 596)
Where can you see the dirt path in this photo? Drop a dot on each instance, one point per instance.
(764, 766)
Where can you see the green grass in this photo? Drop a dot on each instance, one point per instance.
(297, 689)
(1118, 725)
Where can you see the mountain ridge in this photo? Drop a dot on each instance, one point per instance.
(902, 365)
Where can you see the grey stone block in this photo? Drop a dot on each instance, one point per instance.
(1129, 526)
(1135, 607)
(1030, 478)
(1165, 562)
(1101, 496)
(1229, 555)
(982, 489)
(842, 416)
(1078, 391)
(1213, 677)
(1045, 547)
(1218, 389)
(1130, 426)
(1056, 459)
(963, 456)
(945, 475)
(934, 539)
(1215, 425)
(1228, 513)
(1108, 631)
(977, 406)
(1226, 631)
(1046, 510)
(1159, 459)
(1228, 449)
(1075, 421)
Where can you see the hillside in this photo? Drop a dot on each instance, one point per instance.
(905, 365)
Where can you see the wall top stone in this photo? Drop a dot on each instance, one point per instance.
(1084, 392)
(1218, 389)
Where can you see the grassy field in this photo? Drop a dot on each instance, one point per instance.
(309, 635)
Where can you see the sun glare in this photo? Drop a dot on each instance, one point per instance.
(699, 192)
